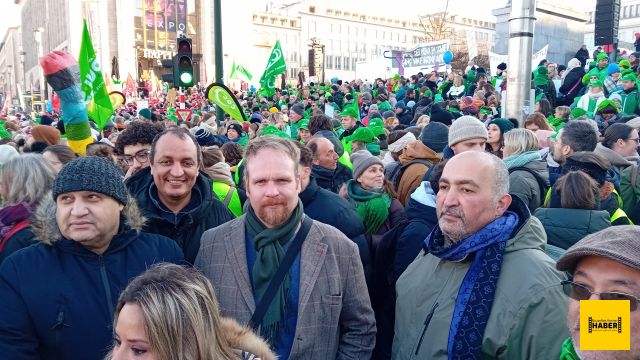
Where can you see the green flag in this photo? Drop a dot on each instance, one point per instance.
(237, 68)
(222, 97)
(275, 66)
(95, 92)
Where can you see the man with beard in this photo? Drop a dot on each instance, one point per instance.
(319, 307)
(470, 293)
(575, 136)
(607, 265)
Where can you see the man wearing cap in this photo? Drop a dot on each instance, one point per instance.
(295, 114)
(418, 158)
(467, 133)
(350, 121)
(629, 95)
(483, 286)
(145, 115)
(59, 295)
(364, 139)
(604, 266)
(175, 197)
(600, 71)
(134, 143)
(327, 170)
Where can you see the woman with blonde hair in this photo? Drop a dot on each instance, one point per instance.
(170, 312)
(528, 173)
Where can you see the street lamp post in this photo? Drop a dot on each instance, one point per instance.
(37, 34)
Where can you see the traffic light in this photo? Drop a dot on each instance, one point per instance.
(183, 64)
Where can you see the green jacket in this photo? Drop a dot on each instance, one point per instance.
(630, 102)
(528, 317)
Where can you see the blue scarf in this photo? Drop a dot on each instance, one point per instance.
(476, 293)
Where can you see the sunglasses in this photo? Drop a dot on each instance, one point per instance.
(581, 292)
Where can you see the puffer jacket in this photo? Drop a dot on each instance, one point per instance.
(565, 227)
(525, 185)
(527, 319)
(58, 298)
(413, 173)
(186, 228)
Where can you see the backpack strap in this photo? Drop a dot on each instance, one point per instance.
(294, 248)
(17, 227)
(634, 177)
(541, 182)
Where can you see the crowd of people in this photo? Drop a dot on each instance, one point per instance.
(400, 218)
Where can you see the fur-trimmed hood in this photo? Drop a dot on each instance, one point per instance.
(244, 339)
(46, 230)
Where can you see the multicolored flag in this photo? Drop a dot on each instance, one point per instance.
(275, 66)
(94, 89)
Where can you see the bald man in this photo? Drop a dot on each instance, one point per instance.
(485, 263)
(328, 172)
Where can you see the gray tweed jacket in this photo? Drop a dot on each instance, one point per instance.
(335, 319)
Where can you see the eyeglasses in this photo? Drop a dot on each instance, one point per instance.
(637, 140)
(142, 156)
(581, 292)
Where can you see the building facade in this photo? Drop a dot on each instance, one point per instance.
(11, 67)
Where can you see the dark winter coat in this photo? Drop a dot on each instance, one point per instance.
(331, 180)
(525, 185)
(403, 249)
(58, 298)
(405, 116)
(17, 241)
(187, 227)
(565, 227)
(326, 207)
(573, 77)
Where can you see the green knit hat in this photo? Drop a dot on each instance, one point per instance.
(601, 56)
(539, 97)
(629, 77)
(362, 134)
(274, 131)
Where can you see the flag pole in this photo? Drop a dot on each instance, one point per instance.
(219, 65)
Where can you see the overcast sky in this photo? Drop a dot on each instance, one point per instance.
(10, 14)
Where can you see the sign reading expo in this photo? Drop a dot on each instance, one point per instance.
(605, 325)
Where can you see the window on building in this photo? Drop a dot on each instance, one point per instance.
(346, 63)
(339, 62)
(353, 64)
(329, 64)
(312, 26)
(312, 9)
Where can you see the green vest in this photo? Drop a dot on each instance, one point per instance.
(346, 160)
(229, 197)
(629, 102)
(236, 174)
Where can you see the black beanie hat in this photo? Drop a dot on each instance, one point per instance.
(236, 127)
(91, 173)
(435, 136)
(440, 116)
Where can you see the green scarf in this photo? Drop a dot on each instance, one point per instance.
(269, 245)
(371, 205)
(568, 352)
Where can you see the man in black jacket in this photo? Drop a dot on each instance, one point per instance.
(177, 200)
(59, 295)
(328, 172)
(329, 208)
